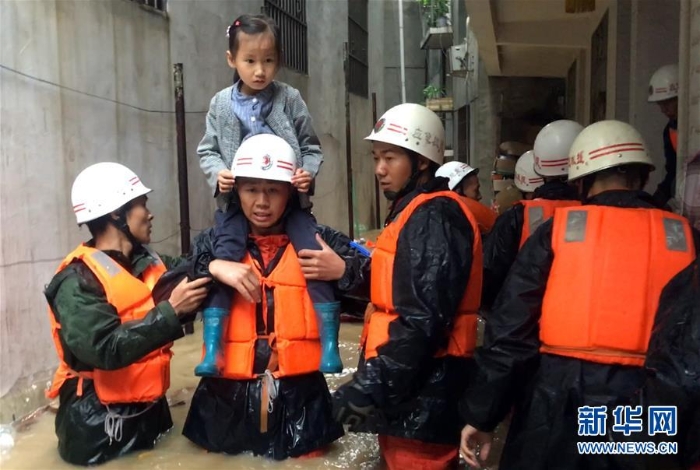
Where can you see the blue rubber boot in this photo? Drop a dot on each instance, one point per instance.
(214, 323)
(328, 317)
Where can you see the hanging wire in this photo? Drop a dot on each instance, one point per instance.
(73, 90)
(56, 260)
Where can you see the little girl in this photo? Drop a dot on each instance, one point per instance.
(256, 104)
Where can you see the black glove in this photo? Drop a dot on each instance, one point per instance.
(168, 282)
(201, 254)
(352, 406)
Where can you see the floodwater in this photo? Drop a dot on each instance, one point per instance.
(35, 441)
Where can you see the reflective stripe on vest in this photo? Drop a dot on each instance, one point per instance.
(462, 337)
(610, 266)
(538, 211)
(155, 270)
(148, 378)
(285, 320)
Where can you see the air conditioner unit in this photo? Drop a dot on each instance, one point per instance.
(459, 61)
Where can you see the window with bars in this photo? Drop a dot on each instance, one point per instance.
(155, 4)
(358, 41)
(290, 15)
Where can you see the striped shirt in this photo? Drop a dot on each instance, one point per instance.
(252, 110)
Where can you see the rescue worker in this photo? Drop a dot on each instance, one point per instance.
(425, 289)
(464, 180)
(663, 90)
(514, 226)
(113, 341)
(573, 320)
(271, 399)
(673, 364)
(526, 179)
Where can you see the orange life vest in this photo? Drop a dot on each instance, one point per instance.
(148, 378)
(537, 211)
(673, 135)
(485, 216)
(288, 324)
(610, 265)
(462, 337)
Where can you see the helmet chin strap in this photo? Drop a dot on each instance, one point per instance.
(120, 223)
(585, 186)
(459, 189)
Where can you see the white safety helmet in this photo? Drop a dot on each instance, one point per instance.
(265, 156)
(412, 127)
(552, 146)
(103, 188)
(526, 179)
(664, 84)
(606, 144)
(455, 172)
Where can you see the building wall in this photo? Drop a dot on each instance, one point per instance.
(458, 85)
(643, 36)
(622, 38)
(692, 80)
(483, 131)
(654, 35)
(378, 55)
(688, 191)
(49, 134)
(414, 56)
(362, 166)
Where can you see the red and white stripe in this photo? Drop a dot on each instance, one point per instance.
(551, 163)
(396, 128)
(285, 166)
(244, 161)
(617, 148)
(79, 207)
(135, 180)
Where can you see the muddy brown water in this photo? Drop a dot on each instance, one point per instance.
(35, 441)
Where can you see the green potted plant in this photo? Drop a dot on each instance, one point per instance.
(431, 92)
(432, 95)
(435, 99)
(437, 12)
